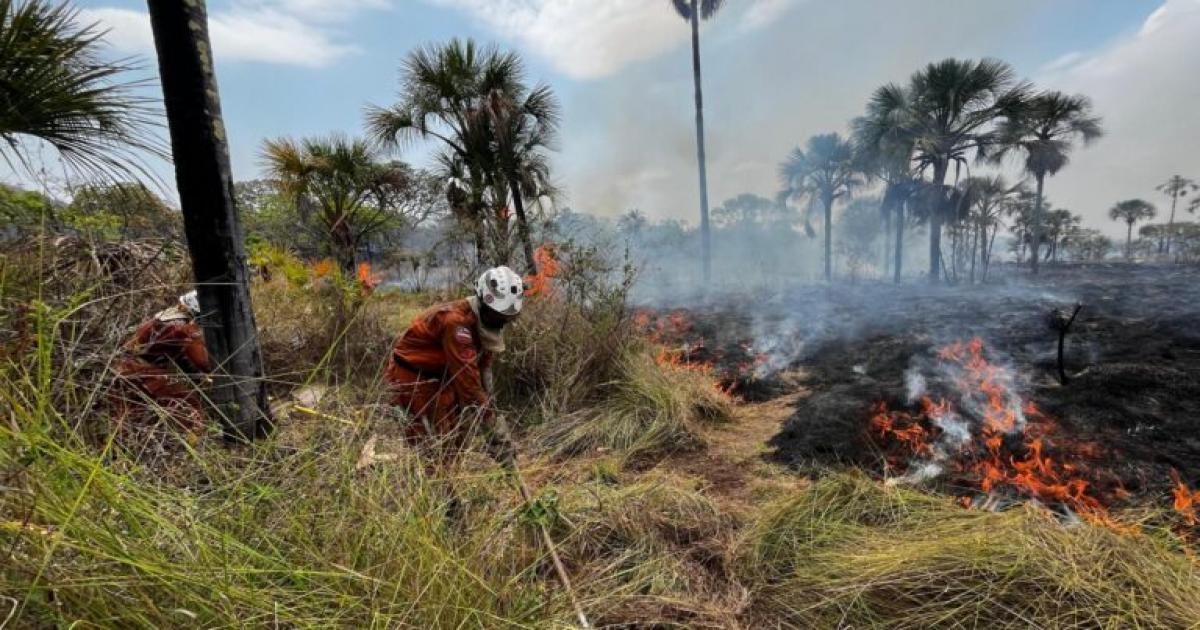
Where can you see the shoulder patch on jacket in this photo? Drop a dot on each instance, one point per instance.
(462, 335)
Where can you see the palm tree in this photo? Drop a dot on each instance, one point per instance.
(211, 223)
(522, 131)
(1175, 187)
(826, 170)
(947, 112)
(1131, 211)
(55, 88)
(987, 198)
(693, 11)
(1044, 130)
(341, 184)
(492, 126)
(1059, 223)
(884, 151)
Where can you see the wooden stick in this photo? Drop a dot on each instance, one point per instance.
(527, 496)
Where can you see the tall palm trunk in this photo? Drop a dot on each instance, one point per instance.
(210, 219)
(887, 242)
(705, 236)
(987, 254)
(973, 250)
(827, 200)
(935, 224)
(522, 225)
(1171, 224)
(899, 241)
(1129, 241)
(344, 247)
(1037, 222)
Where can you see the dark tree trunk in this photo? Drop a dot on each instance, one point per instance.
(974, 249)
(343, 246)
(1037, 222)
(899, 251)
(211, 223)
(987, 254)
(1171, 225)
(935, 224)
(828, 202)
(1129, 241)
(705, 236)
(887, 241)
(523, 227)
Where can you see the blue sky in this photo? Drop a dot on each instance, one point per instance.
(776, 71)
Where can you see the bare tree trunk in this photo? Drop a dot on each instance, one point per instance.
(828, 201)
(899, 251)
(1037, 222)
(211, 223)
(935, 225)
(987, 257)
(974, 246)
(705, 236)
(1129, 241)
(887, 242)
(1171, 224)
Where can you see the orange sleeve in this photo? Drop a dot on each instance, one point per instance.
(462, 366)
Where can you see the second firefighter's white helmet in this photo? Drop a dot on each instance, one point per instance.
(190, 302)
(501, 290)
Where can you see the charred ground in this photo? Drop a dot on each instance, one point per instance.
(1132, 355)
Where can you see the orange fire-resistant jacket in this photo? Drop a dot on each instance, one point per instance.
(437, 367)
(160, 360)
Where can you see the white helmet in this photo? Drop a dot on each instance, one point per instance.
(190, 302)
(502, 290)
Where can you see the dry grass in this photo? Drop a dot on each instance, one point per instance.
(646, 410)
(295, 532)
(851, 553)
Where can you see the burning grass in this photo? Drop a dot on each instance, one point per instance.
(852, 553)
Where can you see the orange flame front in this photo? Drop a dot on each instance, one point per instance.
(367, 280)
(1186, 499)
(679, 347)
(548, 267)
(1010, 442)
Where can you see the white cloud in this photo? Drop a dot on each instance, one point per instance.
(763, 12)
(584, 39)
(288, 32)
(1144, 86)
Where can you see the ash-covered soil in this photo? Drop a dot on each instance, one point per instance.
(1133, 355)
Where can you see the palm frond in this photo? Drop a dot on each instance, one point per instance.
(56, 89)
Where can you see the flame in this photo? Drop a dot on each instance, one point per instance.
(548, 267)
(322, 268)
(1012, 446)
(1186, 499)
(366, 279)
(679, 347)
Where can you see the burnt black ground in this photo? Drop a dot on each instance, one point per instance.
(1134, 352)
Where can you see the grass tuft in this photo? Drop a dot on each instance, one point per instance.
(849, 552)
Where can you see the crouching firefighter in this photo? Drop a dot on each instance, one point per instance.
(440, 372)
(161, 367)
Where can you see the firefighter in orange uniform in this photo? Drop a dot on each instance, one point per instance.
(161, 366)
(441, 367)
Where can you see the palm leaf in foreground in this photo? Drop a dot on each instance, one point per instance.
(54, 87)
